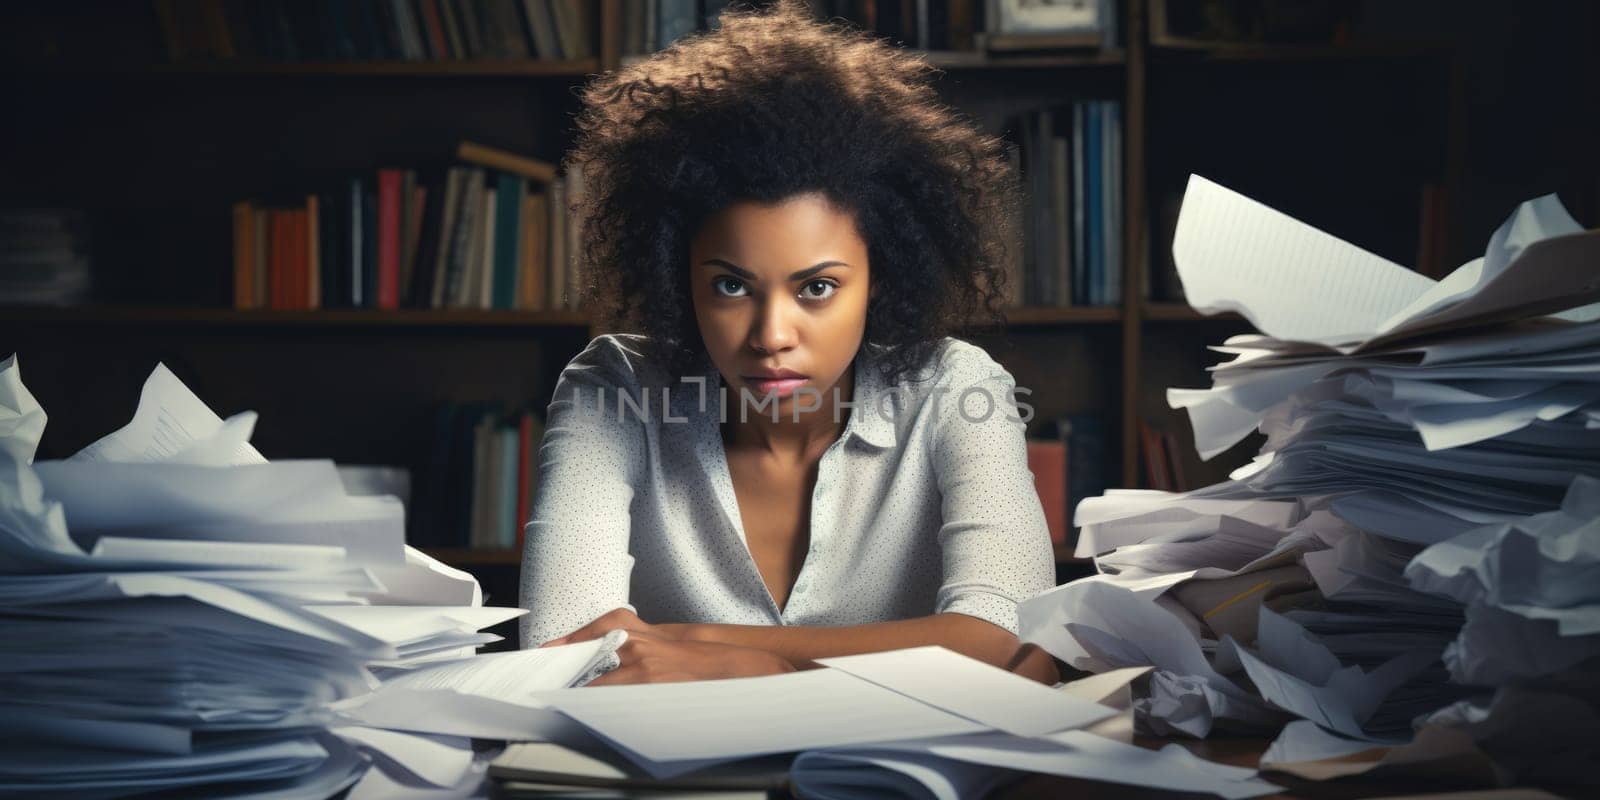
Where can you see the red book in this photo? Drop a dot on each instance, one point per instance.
(297, 260)
(524, 451)
(1047, 460)
(278, 272)
(389, 238)
(438, 48)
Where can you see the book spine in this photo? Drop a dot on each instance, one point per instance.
(445, 234)
(388, 235)
(461, 239)
(508, 216)
(313, 293)
(244, 251)
(1080, 241)
(261, 228)
(558, 252)
(357, 240)
(409, 211)
(481, 293)
(507, 496)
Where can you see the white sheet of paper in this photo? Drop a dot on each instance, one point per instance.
(732, 718)
(168, 420)
(962, 685)
(1288, 278)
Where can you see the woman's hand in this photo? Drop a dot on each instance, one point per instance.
(612, 620)
(650, 658)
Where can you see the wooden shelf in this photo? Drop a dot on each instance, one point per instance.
(1179, 312)
(475, 68)
(979, 60)
(115, 315)
(1072, 315)
(1211, 50)
(465, 557)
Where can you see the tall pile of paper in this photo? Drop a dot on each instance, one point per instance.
(1413, 559)
(178, 613)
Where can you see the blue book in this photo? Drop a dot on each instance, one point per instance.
(1080, 236)
(506, 495)
(1095, 268)
(369, 249)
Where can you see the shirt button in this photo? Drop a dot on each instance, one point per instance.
(800, 586)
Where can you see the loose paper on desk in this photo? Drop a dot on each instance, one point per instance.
(490, 696)
(962, 685)
(733, 717)
(170, 420)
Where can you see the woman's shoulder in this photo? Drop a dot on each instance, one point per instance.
(957, 363)
(623, 360)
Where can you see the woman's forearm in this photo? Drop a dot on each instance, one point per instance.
(801, 644)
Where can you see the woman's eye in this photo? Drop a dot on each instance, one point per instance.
(818, 290)
(728, 287)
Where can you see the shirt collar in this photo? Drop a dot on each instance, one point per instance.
(872, 418)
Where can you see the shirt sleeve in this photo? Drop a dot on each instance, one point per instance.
(994, 540)
(575, 560)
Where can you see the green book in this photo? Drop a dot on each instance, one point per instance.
(507, 240)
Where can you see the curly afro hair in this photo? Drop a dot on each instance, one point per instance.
(773, 104)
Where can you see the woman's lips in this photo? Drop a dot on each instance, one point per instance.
(782, 387)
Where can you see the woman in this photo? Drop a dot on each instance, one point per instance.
(794, 460)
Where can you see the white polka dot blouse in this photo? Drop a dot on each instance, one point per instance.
(923, 505)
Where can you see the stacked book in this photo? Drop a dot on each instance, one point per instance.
(1070, 159)
(492, 232)
(1404, 578)
(377, 30)
(44, 257)
(481, 474)
(180, 616)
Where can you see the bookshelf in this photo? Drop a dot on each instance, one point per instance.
(178, 168)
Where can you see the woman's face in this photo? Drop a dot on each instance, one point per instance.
(781, 289)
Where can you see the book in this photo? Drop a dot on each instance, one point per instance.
(1080, 241)
(439, 280)
(1086, 452)
(500, 160)
(244, 253)
(1095, 266)
(356, 231)
(1060, 225)
(1047, 460)
(507, 489)
(481, 294)
(330, 235)
(468, 205)
(557, 258)
(507, 241)
(388, 234)
(533, 284)
(485, 464)
(313, 251)
(1154, 452)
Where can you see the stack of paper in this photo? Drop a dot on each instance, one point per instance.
(1417, 530)
(177, 613)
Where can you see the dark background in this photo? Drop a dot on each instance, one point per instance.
(1498, 105)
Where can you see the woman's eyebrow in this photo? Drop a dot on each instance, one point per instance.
(750, 276)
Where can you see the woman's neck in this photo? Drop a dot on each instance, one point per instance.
(788, 437)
